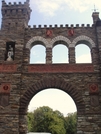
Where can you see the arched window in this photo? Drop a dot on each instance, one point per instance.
(83, 54)
(60, 54)
(37, 54)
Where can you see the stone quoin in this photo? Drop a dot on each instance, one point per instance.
(20, 81)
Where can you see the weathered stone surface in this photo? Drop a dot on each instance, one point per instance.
(20, 81)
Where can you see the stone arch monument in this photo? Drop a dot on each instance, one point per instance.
(20, 80)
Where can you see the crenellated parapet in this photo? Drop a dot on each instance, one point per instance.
(61, 26)
(51, 31)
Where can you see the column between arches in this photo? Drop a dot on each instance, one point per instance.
(48, 55)
(72, 55)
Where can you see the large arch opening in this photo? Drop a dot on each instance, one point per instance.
(47, 102)
(38, 54)
(54, 98)
(46, 83)
(83, 54)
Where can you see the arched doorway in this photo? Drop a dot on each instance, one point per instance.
(46, 83)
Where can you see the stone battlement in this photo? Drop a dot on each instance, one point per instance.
(61, 26)
(14, 4)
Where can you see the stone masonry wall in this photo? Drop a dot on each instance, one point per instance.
(20, 81)
(77, 86)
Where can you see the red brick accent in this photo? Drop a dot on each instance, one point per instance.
(56, 68)
(71, 32)
(5, 88)
(93, 88)
(49, 33)
(8, 68)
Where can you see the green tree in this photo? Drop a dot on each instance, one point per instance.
(47, 120)
(70, 123)
(44, 119)
(30, 121)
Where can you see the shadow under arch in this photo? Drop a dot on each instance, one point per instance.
(51, 83)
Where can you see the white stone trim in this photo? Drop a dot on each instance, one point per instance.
(60, 38)
(35, 39)
(89, 42)
(50, 43)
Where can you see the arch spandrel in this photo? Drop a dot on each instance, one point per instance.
(60, 40)
(46, 83)
(36, 40)
(84, 40)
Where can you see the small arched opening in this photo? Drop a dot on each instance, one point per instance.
(83, 53)
(36, 50)
(38, 54)
(60, 52)
(84, 46)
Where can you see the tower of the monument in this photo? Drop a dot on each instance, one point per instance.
(97, 25)
(95, 16)
(15, 16)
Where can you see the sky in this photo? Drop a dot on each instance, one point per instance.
(51, 12)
